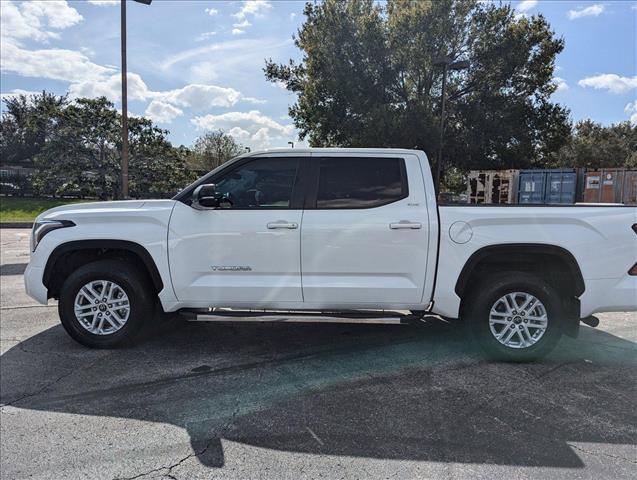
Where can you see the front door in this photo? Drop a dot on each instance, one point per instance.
(247, 253)
(365, 235)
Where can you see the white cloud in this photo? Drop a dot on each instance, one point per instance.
(252, 7)
(205, 36)
(55, 64)
(255, 8)
(239, 133)
(104, 3)
(592, 11)
(230, 56)
(111, 88)
(162, 112)
(631, 109)
(242, 24)
(211, 11)
(262, 138)
(526, 5)
(203, 72)
(201, 97)
(561, 84)
(609, 81)
(256, 101)
(523, 7)
(31, 19)
(57, 13)
(261, 130)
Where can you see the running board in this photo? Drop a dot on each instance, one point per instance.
(301, 316)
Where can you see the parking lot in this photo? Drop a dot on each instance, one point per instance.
(301, 400)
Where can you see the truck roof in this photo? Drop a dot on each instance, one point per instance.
(330, 150)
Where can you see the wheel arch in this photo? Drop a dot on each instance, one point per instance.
(84, 251)
(520, 254)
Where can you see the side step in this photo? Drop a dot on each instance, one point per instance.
(301, 316)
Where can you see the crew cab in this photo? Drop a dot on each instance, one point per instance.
(334, 230)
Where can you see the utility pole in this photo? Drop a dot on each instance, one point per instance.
(125, 98)
(445, 68)
(124, 105)
(446, 64)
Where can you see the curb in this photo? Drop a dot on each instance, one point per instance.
(16, 225)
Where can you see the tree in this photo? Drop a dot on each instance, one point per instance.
(81, 158)
(26, 125)
(595, 146)
(214, 148)
(368, 79)
(157, 168)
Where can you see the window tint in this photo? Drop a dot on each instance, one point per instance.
(262, 183)
(360, 182)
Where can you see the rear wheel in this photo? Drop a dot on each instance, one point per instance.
(105, 304)
(515, 317)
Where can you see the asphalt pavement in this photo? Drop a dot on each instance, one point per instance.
(292, 401)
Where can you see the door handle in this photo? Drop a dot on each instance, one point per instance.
(406, 225)
(282, 224)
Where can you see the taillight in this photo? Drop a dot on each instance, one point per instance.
(633, 270)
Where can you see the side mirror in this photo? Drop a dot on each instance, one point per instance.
(206, 197)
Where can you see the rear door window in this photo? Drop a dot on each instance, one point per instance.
(360, 182)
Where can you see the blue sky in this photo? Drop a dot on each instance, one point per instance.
(197, 65)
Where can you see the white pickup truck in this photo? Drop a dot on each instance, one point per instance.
(344, 231)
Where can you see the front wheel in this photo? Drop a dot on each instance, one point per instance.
(104, 304)
(515, 317)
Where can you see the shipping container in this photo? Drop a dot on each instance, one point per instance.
(611, 185)
(630, 188)
(553, 186)
(492, 186)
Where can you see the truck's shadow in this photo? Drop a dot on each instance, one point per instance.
(388, 392)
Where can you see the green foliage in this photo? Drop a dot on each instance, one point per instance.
(76, 148)
(595, 146)
(27, 125)
(368, 79)
(213, 149)
(157, 169)
(81, 158)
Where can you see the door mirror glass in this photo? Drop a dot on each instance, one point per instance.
(206, 197)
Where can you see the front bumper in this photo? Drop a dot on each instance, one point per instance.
(33, 284)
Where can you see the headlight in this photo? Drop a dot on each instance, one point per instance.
(41, 228)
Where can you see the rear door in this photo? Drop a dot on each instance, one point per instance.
(365, 236)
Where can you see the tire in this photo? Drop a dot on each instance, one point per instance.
(120, 326)
(530, 334)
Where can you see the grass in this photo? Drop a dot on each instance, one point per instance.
(13, 209)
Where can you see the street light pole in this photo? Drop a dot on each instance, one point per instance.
(124, 105)
(125, 98)
(445, 68)
(446, 65)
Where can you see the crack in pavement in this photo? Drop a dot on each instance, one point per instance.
(170, 468)
(597, 454)
(43, 388)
